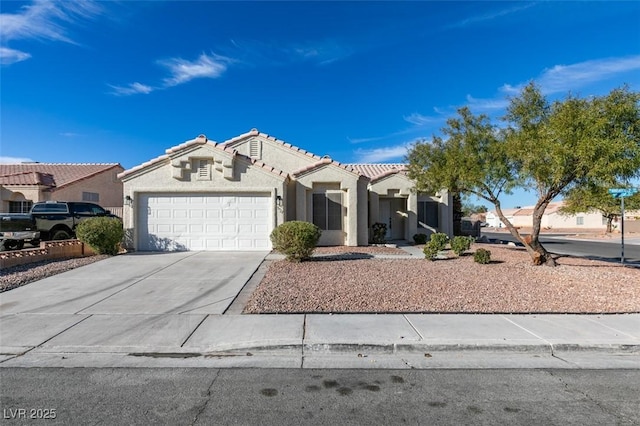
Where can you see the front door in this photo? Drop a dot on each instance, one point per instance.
(392, 213)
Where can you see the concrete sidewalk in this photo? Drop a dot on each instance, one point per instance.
(319, 340)
(167, 310)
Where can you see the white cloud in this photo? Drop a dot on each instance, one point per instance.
(42, 20)
(14, 160)
(205, 66)
(421, 120)
(486, 104)
(11, 56)
(491, 16)
(181, 71)
(323, 52)
(131, 89)
(563, 78)
(382, 155)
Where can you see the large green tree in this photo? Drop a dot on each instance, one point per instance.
(551, 148)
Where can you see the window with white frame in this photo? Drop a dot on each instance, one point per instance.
(93, 197)
(580, 220)
(328, 211)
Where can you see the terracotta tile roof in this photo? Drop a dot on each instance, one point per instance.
(553, 207)
(264, 166)
(51, 174)
(323, 162)
(378, 171)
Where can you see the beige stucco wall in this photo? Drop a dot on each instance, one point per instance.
(591, 220)
(19, 193)
(400, 186)
(356, 212)
(395, 186)
(159, 178)
(106, 184)
(276, 154)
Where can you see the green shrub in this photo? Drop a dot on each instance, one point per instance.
(437, 243)
(430, 251)
(461, 244)
(102, 234)
(379, 230)
(420, 238)
(296, 239)
(482, 256)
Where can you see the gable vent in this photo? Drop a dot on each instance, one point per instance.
(204, 172)
(255, 148)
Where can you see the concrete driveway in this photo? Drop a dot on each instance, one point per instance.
(140, 283)
(131, 302)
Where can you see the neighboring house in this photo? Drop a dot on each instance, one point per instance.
(552, 218)
(21, 185)
(203, 195)
(494, 221)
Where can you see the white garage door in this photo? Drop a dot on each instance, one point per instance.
(171, 222)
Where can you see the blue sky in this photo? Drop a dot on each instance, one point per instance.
(358, 81)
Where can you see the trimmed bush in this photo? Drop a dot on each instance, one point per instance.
(420, 238)
(482, 256)
(296, 239)
(379, 230)
(461, 244)
(102, 234)
(436, 244)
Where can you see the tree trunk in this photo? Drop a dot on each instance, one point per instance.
(610, 218)
(541, 255)
(538, 253)
(457, 213)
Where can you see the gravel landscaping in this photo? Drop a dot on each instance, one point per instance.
(16, 276)
(349, 279)
(510, 284)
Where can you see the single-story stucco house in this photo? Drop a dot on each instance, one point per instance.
(552, 218)
(202, 195)
(23, 184)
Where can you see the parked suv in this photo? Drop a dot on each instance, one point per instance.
(57, 220)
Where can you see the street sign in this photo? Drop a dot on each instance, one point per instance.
(622, 192)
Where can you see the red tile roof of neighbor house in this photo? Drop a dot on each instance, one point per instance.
(50, 174)
(551, 208)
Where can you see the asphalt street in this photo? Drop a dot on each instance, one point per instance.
(564, 244)
(340, 397)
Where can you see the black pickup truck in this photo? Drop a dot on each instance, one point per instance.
(48, 220)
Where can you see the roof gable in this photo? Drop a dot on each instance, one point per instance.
(324, 162)
(179, 154)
